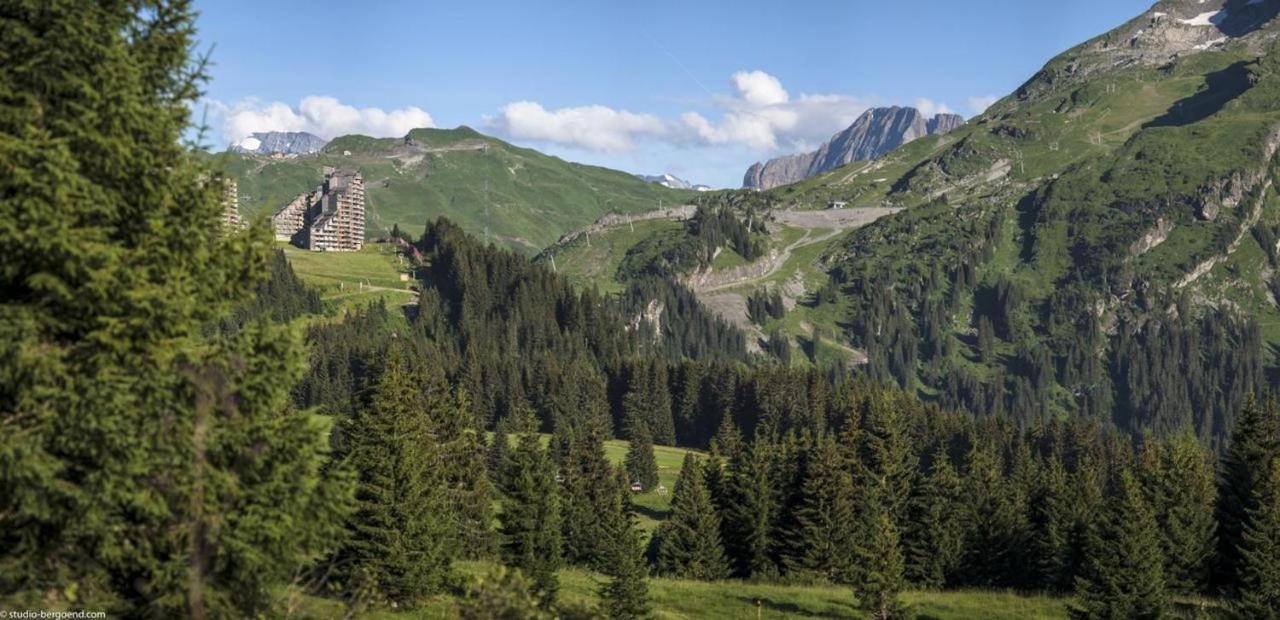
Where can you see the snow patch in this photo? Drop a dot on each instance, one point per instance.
(250, 143)
(1208, 44)
(1212, 18)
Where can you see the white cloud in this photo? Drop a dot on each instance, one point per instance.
(593, 127)
(931, 108)
(760, 116)
(759, 88)
(323, 116)
(763, 116)
(978, 105)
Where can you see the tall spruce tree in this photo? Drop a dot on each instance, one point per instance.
(822, 536)
(1182, 491)
(530, 517)
(1123, 572)
(934, 544)
(1259, 586)
(625, 595)
(642, 465)
(750, 511)
(879, 581)
(402, 539)
(1053, 527)
(1254, 444)
(146, 467)
(989, 519)
(689, 541)
(589, 494)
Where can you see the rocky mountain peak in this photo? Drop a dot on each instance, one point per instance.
(280, 142)
(876, 132)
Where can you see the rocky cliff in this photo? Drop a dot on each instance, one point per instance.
(876, 132)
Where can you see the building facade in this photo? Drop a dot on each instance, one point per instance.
(329, 219)
(231, 204)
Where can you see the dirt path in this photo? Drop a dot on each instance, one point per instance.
(834, 222)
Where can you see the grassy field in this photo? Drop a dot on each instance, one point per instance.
(676, 599)
(352, 279)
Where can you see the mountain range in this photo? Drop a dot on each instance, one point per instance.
(876, 132)
(1103, 241)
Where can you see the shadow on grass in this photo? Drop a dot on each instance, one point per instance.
(833, 609)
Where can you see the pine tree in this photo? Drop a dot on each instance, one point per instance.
(989, 519)
(880, 580)
(689, 543)
(471, 491)
(822, 537)
(146, 464)
(401, 541)
(1181, 489)
(530, 517)
(750, 512)
(934, 543)
(626, 595)
(1259, 586)
(641, 464)
(1053, 525)
(885, 456)
(1254, 444)
(1123, 572)
(589, 495)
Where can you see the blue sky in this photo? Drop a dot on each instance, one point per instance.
(698, 89)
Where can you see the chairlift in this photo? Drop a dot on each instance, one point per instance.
(662, 490)
(636, 487)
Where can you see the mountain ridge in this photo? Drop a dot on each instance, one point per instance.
(514, 196)
(874, 133)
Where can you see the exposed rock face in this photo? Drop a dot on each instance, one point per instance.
(778, 171)
(876, 132)
(283, 142)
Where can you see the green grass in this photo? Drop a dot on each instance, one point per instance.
(343, 277)
(731, 600)
(525, 199)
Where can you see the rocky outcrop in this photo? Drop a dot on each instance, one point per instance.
(876, 132)
(778, 171)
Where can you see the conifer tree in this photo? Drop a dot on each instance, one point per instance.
(589, 498)
(1259, 586)
(1053, 525)
(689, 543)
(989, 518)
(626, 594)
(530, 517)
(750, 511)
(822, 538)
(1181, 489)
(1123, 572)
(401, 541)
(934, 543)
(885, 456)
(145, 465)
(879, 556)
(641, 463)
(471, 491)
(1254, 444)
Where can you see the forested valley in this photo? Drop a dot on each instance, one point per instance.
(188, 430)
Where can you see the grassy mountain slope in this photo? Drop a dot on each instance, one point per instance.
(1109, 227)
(524, 198)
